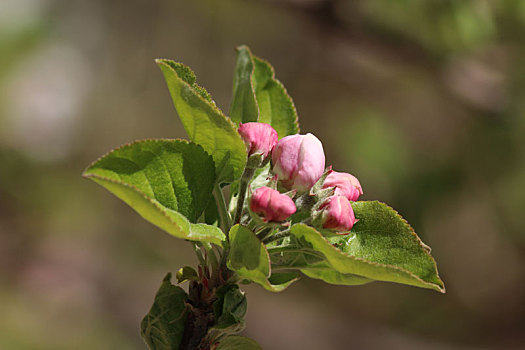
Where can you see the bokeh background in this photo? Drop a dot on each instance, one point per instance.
(424, 101)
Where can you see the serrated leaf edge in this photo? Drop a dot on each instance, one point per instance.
(136, 189)
(425, 247)
(433, 285)
(162, 61)
(278, 82)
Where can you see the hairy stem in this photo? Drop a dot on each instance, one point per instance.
(277, 236)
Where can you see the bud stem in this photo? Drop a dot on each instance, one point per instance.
(277, 236)
(253, 163)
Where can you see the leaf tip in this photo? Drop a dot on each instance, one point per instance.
(167, 278)
(242, 47)
(160, 61)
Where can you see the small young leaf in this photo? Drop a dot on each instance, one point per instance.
(187, 273)
(230, 308)
(237, 342)
(249, 258)
(205, 124)
(244, 107)
(382, 246)
(168, 182)
(163, 327)
(259, 96)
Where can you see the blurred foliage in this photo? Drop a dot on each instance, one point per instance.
(423, 101)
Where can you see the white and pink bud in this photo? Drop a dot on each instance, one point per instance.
(345, 185)
(337, 214)
(298, 161)
(272, 205)
(259, 137)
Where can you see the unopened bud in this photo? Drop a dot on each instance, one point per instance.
(272, 205)
(298, 161)
(259, 137)
(345, 185)
(338, 215)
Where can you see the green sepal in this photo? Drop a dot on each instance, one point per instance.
(205, 124)
(163, 327)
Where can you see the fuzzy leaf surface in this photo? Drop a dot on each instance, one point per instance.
(381, 246)
(163, 327)
(168, 182)
(203, 121)
(249, 258)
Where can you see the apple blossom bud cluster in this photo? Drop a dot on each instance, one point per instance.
(298, 163)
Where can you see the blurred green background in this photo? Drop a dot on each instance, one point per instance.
(423, 101)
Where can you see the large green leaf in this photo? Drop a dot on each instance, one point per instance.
(168, 182)
(249, 258)
(259, 96)
(237, 342)
(381, 246)
(205, 124)
(163, 327)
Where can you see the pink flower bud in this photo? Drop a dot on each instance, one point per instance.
(345, 185)
(271, 204)
(298, 161)
(338, 214)
(260, 137)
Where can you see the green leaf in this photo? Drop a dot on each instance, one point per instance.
(381, 246)
(211, 213)
(230, 308)
(329, 275)
(275, 105)
(249, 258)
(236, 342)
(205, 124)
(187, 273)
(163, 327)
(259, 96)
(168, 182)
(244, 107)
